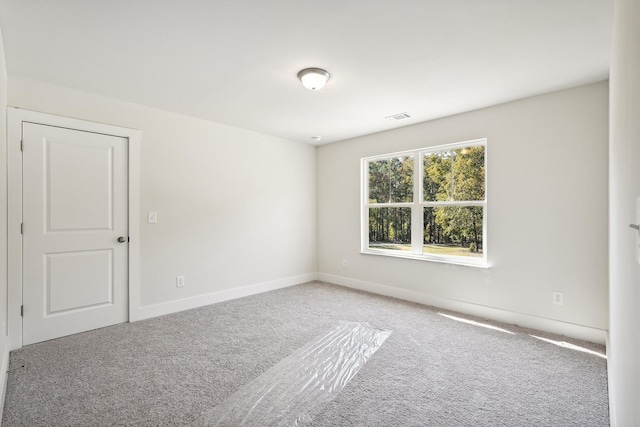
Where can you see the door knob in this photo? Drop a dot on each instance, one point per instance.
(122, 239)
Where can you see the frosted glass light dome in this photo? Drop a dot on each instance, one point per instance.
(313, 78)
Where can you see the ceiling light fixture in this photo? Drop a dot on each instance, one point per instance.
(314, 78)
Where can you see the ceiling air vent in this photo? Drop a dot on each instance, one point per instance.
(398, 116)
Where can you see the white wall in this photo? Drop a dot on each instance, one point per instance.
(3, 198)
(4, 343)
(234, 207)
(547, 213)
(238, 208)
(624, 336)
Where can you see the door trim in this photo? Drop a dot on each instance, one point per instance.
(15, 118)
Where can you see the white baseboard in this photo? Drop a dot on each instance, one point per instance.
(528, 321)
(613, 412)
(4, 367)
(155, 310)
(525, 320)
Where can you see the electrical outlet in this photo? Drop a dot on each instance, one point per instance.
(179, 281)
(152, 217)
(558, 298)
(345, 263)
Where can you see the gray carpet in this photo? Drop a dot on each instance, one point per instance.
(431, 371)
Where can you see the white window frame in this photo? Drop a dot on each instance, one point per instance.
(417, 207)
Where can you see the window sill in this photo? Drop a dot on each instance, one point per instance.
(471, 262)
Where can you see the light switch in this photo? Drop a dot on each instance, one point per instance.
(152, 217)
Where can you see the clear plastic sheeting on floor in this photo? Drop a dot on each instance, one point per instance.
(297, 387)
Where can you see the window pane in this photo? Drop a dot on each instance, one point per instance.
(390, 228)
(391, 180)
(437, 176)
(453, 230)
(468, 173)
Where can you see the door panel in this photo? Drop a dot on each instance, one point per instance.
(89, 179)
(78, 280)
(75, 208)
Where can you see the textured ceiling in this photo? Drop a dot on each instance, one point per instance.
(235, 61)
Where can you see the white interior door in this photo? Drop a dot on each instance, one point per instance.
(75, 210)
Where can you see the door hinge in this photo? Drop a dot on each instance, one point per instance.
(21, 145)
(22, 311)
(22, 228)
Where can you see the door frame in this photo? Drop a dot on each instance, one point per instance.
(15, 118)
